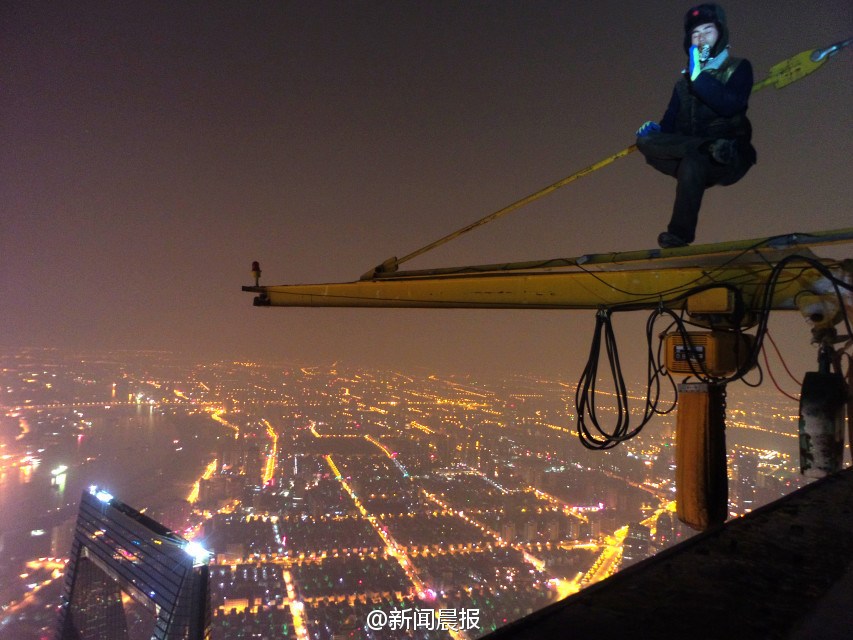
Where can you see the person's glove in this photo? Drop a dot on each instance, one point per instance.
(647, 128)
(694, 68)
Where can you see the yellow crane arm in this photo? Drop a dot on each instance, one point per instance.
(645, 279)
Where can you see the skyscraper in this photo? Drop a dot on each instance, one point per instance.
(745, 479)
(117, 550)
(637, 544)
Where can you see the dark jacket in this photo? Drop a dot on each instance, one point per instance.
(714, 105)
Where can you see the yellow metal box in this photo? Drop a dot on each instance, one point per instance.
(716, 300)
(714, 353)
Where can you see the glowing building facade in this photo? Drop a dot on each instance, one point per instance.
(118, 552)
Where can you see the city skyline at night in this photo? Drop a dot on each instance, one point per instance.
(380, 473)
(325, 494)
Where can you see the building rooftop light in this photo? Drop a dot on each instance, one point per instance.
(199, 554)
(100, 494)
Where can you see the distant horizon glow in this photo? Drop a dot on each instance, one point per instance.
(151, 162)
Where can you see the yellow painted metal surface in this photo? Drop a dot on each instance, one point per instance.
(568, 289)
(712, 301)
(710, 353)
(701, 483)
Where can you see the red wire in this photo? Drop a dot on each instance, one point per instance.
(781, 359)
(776, 384)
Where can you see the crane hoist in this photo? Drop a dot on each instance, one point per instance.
(724, 290)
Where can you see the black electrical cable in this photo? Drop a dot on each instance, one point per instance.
(697, 366)
(686, 286)
(764, 312)
(585, 394)
(585, 400)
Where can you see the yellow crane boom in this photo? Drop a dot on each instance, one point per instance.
(638, 279)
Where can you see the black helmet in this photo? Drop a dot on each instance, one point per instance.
(703, 14)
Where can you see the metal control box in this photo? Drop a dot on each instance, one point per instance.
(713, 353)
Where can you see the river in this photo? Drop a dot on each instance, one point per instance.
(144, 456)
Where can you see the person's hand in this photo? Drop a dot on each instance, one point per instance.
(694, 68)
(647, 128)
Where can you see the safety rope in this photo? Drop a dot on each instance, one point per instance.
(781, 75)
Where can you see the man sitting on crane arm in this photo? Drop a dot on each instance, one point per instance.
(704, 138)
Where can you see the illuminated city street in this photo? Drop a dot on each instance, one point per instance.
(340, 496)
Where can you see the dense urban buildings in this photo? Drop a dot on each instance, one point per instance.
(339, 502)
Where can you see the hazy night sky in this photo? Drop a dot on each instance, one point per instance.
(151, 150)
